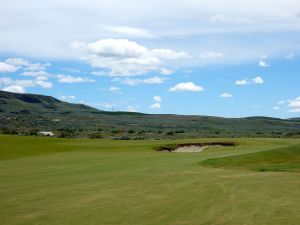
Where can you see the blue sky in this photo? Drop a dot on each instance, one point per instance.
(219, 57)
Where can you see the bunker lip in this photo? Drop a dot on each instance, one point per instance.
(193, 147)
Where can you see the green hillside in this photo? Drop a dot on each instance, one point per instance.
(281, 159)
(27, 113)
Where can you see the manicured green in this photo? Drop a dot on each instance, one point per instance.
(281, 159)
(50, 181)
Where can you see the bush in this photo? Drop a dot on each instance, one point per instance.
(95, 136)
(131, 131)
(170, 133)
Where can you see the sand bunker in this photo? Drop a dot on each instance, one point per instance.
(193, 147)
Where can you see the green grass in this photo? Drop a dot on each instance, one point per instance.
(48, 181)
(281, 159)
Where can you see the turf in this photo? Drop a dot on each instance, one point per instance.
(281, 159)
(49, 181)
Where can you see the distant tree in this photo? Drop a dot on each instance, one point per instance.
(131, 131)
(170, 133)
(95, 136)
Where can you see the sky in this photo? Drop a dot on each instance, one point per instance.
(229, 58)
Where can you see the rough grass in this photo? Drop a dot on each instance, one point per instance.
(48, 181)
(281, 159)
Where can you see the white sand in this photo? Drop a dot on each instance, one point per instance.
(194, 148)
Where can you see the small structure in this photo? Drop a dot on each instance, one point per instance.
(46, 133)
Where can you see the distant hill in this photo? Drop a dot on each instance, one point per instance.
(28, 113)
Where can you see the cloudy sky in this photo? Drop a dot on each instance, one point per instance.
(229, 58)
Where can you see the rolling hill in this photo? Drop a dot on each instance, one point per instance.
(29, 113)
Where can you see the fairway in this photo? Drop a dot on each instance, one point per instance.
(52, 181)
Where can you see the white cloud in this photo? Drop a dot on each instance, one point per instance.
(16, 84)
(154, 80)
(35, 73)
(165, 71)
(43, 84)
(242, 82)
(157, 98)
(99, 73)
(258, 80)
(155, 106)
(7, 68)
(226, 95)
(210, 55)
(15, 89)
(70, 79)
(17, 62)
(132, 108)
(37, 66)
(5, 81)
(67, 98)
(188, 86)
(30, 68)
(294, 105)
(130, 31)
(220, 18)
(263, 63)
(290, 55)
(115, 90)
(135, 82)
(164, 19)
(276, 108)
(123, 57)
(281, 102)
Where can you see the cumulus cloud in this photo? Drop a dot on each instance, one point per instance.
(35, 73)
(15, 89)
(132, 108)
(255, 80)
(165, 71)
(276, 108)
(135, 82)
(294, 105)
(67, 98)
(5, 81)
(21, 85)
(263, 63)
(99, 73)
(281, 102)
(14, 64)
(242, 82)
(157, 98)
(290, 55)
(130, 31)
(258, 80)
(226, 95)
(210, 55)
(115, 90)
(123, 57)
(70, 79)
(188, 86)
(155, 106)
(17, 61)
(7, 68)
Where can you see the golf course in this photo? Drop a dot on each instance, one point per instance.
(56, 181)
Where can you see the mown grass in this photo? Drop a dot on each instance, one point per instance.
(49, 181)
(281, 159)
